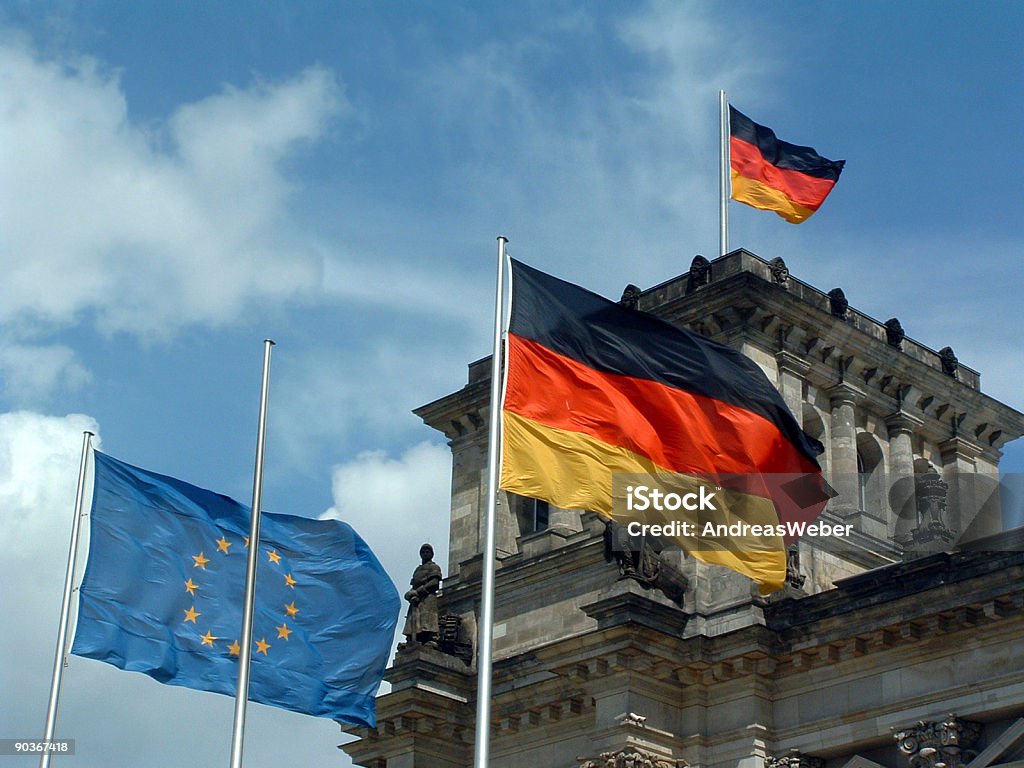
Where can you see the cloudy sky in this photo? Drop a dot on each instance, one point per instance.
(179, 181)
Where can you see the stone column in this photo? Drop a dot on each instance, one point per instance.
(902, 500)
(792, 370)
(843, 449)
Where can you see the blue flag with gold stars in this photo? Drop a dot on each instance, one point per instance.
(165, 583)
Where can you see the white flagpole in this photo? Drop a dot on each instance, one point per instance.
(483, 686)
(245, 652)
(723, 174)
(60, 655)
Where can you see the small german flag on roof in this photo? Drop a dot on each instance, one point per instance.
(775, 175)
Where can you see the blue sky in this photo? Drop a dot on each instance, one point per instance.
(179, 181)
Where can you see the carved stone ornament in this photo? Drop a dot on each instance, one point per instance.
(894, 334)
(793, 576)
(930, 493)
(630, 297)
(939, 744)
(456, 637)
(950, 365)
(639, 559)
(700, 273)
(780, 272)
(838, 305)
(794, 759)
(632, 720)
(630, 757)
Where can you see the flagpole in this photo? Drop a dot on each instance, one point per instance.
(60, 655)
(245, 651)
(483, 686)
(723, 174)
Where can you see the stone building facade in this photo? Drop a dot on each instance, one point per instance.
(903, 648)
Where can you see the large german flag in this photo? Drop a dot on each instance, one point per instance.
(775, 175)
(595, 389)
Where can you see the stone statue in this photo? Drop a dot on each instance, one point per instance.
(894, 334)
(780, 272)
(794, 578)
(630, 297)
(421, 623)
(950, 365)
(700, 273)
(838, 304)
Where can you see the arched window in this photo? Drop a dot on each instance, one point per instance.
(870, 475)
(815, 427)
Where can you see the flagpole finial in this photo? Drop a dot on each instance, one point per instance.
(503, 238)
(271, 342)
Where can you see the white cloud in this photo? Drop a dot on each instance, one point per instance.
(30, 373)
(39, 459)
(149, 227)
(397, 504)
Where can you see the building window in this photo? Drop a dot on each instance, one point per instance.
(862, 483)
(871, 495)
(532, 515)
(538, 512)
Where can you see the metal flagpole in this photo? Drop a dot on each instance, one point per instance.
(723, 174)
(60, 655)
(245, 652)
(483, 685)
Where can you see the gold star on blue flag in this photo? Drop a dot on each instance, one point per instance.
(165, 583)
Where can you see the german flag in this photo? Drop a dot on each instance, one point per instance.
(595, 389)
(775, 175)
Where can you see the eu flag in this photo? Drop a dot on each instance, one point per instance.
(165, 582)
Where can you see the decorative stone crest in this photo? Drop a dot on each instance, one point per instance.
(950, 365)
(456, 636)
(630, 297)
(780, 272)
(838, 305)
(700, 273)
(639, 559)
(630, 757)
(794, 759)
(939, 744)
(894, 334)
